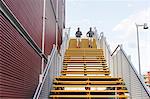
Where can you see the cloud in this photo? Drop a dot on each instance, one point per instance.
(126, 32)
(128, 23)
(127, 26)
(130, 5)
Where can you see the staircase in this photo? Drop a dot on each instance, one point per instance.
(86, 75)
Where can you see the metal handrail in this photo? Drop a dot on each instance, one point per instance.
(139, 77)
(40, 85)
(115, 50)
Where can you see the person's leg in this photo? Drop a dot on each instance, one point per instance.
(89, 41)
(77, 41)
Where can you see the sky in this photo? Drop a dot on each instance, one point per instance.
(116, 18)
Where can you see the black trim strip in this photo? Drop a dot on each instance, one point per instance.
(115, 50)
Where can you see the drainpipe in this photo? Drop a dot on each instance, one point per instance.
(43, 39)
(56, 23)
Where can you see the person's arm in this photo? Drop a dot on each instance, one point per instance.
(93, 33)
(87, 34)
(76, 34)
(80, 33)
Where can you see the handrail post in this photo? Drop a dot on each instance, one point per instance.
(101, 39)
(56, 24)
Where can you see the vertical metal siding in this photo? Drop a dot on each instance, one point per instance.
(19, 64)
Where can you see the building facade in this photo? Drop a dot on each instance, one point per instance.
(21, 43)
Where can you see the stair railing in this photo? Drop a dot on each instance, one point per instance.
(64, 46)
(101, 42)
(43, 89)
(122, 67)
(53, 68)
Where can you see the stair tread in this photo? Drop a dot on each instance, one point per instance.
(98, 49)
(84, 52)
(86, 66)
(85, 70)
(74, 59)
(90, 96)
(86, 61)
(85, 77)
(87, 82)
(93, 86)
(85, 57)
(81, 59)
(104, 73)
(89, 91)
(94, 55)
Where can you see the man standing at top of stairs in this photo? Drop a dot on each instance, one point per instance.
(78, 37)
(90, 35)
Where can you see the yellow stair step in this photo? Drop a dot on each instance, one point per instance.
(84, 49)
(85, 61)
(85, 53)
(89, 91)
(82, 70)
(97, 68)
(84, 58)
(88, 96)
(86, 77)
(85, 72)
(92, 86)
(87, 66)
(86, 82)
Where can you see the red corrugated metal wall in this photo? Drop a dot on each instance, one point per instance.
(29, 13)
(20, 65)
(50, 28)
